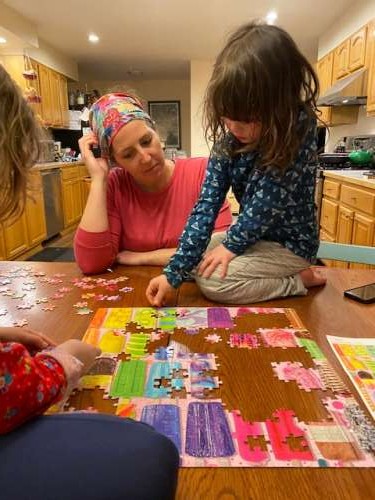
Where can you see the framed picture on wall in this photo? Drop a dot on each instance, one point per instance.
(166, 115)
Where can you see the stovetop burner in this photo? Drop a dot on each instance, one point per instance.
(341, 161)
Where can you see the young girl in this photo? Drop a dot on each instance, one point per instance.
(260, 111)
(75, 456)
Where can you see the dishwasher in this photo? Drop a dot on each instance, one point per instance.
(52, 201)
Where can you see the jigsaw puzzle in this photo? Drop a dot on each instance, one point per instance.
(150, 370)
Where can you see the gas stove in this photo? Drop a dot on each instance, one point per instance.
(341, 161)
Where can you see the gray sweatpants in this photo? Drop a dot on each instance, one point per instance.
(265, 271)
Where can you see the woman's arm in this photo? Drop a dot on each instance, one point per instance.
(158, 257)
(95, 217)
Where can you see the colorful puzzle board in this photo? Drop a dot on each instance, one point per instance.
(357, 357)
(147, 372)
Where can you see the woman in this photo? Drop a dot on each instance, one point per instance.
(135, 212)
(64, 456)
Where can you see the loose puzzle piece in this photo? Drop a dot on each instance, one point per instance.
(243, 340)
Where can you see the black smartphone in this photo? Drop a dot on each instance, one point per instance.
(96, 151)
(364, 294)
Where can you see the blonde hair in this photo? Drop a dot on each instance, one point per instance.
(19, 146)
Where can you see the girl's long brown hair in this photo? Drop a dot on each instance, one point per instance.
(19, 146)
(260, 75)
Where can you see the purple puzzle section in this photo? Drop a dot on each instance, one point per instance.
(207, 431)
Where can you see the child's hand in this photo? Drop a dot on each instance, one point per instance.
(214, 258)
(157, 290)
(86, 353)
(29, 338)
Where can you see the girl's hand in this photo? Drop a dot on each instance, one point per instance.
(86, 353)
(219, 256)
(98, 167)
(29, 338)
(157, 290)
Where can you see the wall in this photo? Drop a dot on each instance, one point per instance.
(151, 90)
(365, 125)
(353, 19)
(50, 57)
(200, 73)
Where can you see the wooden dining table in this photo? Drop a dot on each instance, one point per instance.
(323, 311)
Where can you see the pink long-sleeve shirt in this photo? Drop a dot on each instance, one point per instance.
(141, 221)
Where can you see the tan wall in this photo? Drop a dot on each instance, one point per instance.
(200, 73)
(352, 20)
(152, 90)
(50, 57)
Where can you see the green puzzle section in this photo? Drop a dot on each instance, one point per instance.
(136, 345)
(312, 347)
(129, 380)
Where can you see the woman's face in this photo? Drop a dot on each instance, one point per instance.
(137, 149)
(245, 132)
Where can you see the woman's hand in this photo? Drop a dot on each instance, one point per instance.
(98, 167)
(157, 290)
(219, 256)
(29, 338)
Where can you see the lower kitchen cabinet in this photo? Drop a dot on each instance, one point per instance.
(15, 237)
(71, 195)
(34, 211)
(348, 214)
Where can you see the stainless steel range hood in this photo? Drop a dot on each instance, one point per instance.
(348, 91)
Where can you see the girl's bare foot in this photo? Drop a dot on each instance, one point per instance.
(312, 277)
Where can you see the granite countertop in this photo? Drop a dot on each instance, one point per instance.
(57, 164)
(353, 176)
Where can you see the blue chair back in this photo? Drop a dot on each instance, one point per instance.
(348, 253)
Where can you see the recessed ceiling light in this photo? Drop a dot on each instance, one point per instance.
(3, 40)
(271, 17)
(93, 38)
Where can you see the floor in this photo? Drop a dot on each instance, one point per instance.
(61, 241)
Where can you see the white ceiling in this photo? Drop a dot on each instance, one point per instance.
(160, 37)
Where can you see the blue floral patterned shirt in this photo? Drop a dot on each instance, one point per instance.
(273, 206)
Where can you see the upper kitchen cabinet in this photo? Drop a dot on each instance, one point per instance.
(341, 60)
(357, 49)
(50, 85)
(338, 115)
(325, 69)
(371, 66)
(54, 96)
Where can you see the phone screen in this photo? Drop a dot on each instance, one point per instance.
(364, 294)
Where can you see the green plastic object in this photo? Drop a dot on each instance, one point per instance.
(360, 156)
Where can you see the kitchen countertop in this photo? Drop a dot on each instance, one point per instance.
(353, 176)
(56, 164)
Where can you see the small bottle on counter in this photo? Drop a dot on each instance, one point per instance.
(80, 98)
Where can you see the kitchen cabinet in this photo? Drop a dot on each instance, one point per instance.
(348, 214)
(341, 60)
(34, 211)
(71, 195)
(357, 49)
(325, 71)
(54, 95)
(15, 237)
(26, 232)
(338, 115)
(371, 69)
(354, 53)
